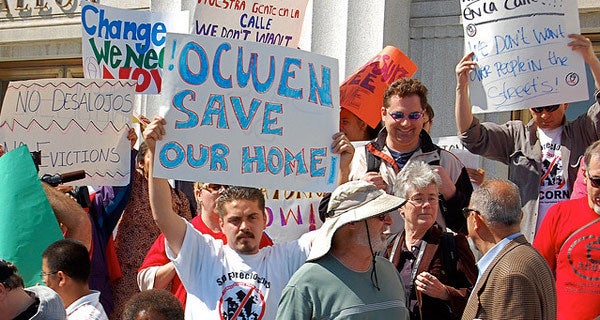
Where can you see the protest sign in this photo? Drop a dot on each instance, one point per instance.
(127, 44)
(277, 22)
(453, 144)
(522, 54)
(249, 114)
(291, 214)
(362, 92)
(76, 124)
(27, 222)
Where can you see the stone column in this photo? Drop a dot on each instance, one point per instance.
(365, 31)
(329, 30)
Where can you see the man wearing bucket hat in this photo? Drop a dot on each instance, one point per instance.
(358, 283)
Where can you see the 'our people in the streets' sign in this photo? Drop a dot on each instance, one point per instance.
(247, 113)
(522, 54)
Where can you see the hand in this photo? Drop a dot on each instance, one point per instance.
(582, 45)
(154, 131)
(1, 150)
(430, 285)
(376, 179)
(132, 137)
(476, 175)
(447, 188)
(342, 146)
(462, 70)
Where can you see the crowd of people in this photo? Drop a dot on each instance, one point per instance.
(400, 236)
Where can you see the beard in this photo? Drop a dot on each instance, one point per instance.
(376, 239)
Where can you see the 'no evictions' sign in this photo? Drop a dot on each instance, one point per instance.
(522, 54)
(76, 124)
(251, 114)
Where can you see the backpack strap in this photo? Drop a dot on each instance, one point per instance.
(373, 162)
(449, 255)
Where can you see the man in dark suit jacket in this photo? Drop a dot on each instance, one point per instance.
(514, 280)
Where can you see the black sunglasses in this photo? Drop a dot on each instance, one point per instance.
(467, 211)
(548, 108)
(214, 187)
(595, 181)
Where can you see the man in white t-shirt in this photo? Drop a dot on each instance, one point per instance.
(236, 280)
(543, 155)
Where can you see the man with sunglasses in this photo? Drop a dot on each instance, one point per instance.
(569, 239)
(543, 155)
(403, 140)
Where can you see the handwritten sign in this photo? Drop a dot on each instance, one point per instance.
(362, 92)
(248, 114)
(127, 44)
(522, 53)
(291, 214)
(76, 124)
(277, 22)
(453, 144)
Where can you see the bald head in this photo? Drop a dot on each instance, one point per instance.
(499, 202)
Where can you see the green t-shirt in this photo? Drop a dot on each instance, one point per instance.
(326, 289)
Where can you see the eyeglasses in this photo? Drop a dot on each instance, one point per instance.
(214, 187)
(548, 108)
(418, 201)
(595, 181)
(44, 274)
(467, 212)
(414, 116)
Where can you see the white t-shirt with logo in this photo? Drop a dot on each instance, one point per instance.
(223, 284)
(553, 183)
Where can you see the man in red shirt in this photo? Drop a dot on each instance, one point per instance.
(569, 239)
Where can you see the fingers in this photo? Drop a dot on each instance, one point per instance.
(341, 144)
(376, 179)
(430, 285)
(463, 68)
(154, 131)
(582, 45)
(468, 57)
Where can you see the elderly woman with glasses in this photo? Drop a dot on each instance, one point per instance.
(437, 267)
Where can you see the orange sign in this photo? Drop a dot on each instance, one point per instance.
(362, 92)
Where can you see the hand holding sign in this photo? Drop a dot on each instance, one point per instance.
(584, 46)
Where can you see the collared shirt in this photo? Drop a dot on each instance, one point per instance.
(489, 256)
(86, 308)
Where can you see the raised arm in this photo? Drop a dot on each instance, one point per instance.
(159, 190)
(462, 109)
(583, 45)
